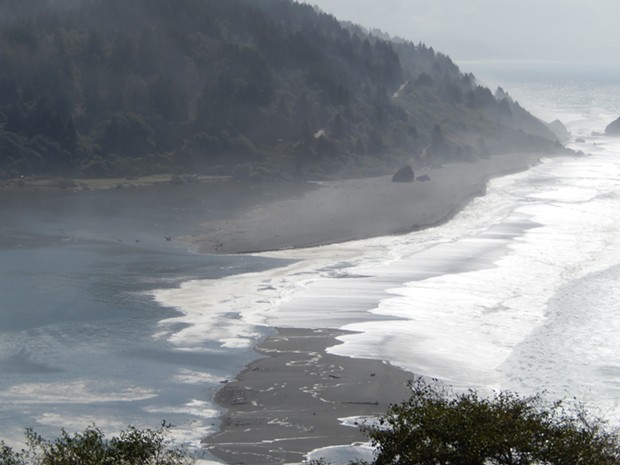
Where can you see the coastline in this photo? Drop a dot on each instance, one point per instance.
(44, 183)
(373, 206)
(282, 407)
(346, 210)
(291, 402)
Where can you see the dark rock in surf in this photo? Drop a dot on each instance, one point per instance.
(423, 178)
(405, 174)
(613, 129)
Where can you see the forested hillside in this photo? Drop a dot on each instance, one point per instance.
(253, 88)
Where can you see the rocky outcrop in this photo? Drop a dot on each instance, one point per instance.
(405, 174)
(613, 129)
(423, 178)
(559, 130)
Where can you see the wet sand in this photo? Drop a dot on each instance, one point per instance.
(346, 210)
(285, 405)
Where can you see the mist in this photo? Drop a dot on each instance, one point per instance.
(529, 31)
(179, 180)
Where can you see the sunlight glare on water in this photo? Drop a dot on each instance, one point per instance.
(515, 293)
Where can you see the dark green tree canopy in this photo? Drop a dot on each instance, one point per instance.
(90, 447)
(138, 84)
(437, 426)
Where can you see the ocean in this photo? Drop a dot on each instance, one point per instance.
(104, 321)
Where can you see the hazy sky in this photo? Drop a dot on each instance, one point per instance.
(578, 31)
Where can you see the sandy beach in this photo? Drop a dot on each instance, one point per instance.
(340, 211)
(283, 406)
(293, 401)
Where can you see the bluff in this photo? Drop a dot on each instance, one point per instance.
(249, 88)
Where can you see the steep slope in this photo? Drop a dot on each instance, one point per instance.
(254, 88)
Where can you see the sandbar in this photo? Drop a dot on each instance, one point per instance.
(340, 211)
(292, 401)
(289, 403)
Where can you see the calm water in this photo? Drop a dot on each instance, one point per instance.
(517, 292)
(79, 330)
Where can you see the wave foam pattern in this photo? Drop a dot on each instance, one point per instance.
(515, 292)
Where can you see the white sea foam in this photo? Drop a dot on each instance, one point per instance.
(343, 455)
(76, 392)
(196, 377)
(458, 301)
(518, 291)
(462, 326)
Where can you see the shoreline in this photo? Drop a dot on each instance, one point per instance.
(354, 209)
(272, 406)
(309, 214)
(50, 183)
(292, 401)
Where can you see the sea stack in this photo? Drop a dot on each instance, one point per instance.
(613, 129)
(405, 174)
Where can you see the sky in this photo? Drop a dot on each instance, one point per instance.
(581, 32)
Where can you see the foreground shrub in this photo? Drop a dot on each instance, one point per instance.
(90, 447)
(436, 426)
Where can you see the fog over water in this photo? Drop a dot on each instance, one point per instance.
(516, 31)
